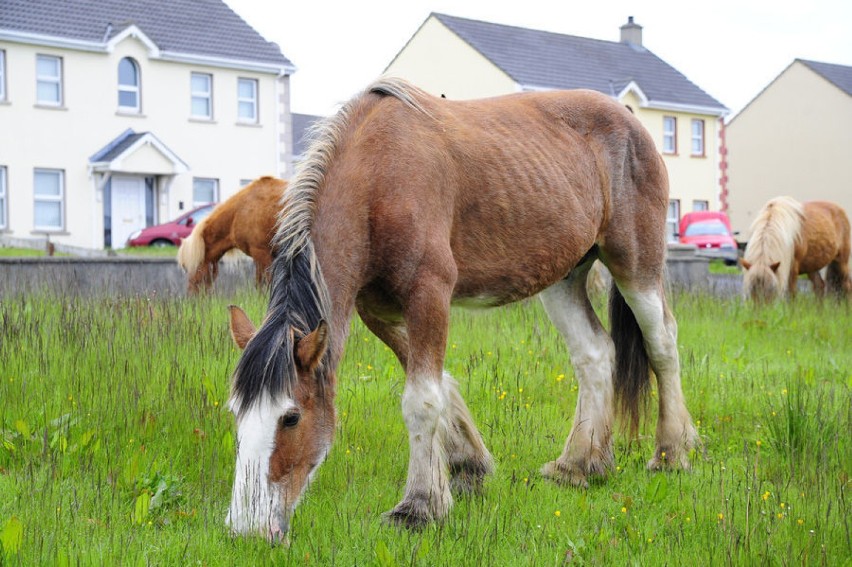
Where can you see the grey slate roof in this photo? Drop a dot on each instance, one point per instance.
(198, 27)
(117, 146)
(541, 59)
(839, 75)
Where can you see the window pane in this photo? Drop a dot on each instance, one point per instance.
(2, 75)
(127, 99)
(200, 83)
(127, 73)
(245, 88)
(48, 214)
(47, 67)
(204, 191)
(47, 184)
(247, 110)
(200, 106)
(48, 92)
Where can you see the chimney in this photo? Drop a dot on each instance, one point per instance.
(631, 32)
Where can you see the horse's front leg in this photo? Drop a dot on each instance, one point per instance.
(425, 406)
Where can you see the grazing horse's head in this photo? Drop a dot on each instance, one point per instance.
(282, 437)
(761, 281)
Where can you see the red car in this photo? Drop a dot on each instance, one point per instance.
(710, 232)
(170, 233)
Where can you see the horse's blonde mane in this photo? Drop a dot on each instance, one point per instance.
(191, 251)
(299, 201)
(775, 233)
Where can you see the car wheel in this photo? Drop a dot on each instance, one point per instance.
(160, 243)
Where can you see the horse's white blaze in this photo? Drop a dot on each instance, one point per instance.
(256, 504)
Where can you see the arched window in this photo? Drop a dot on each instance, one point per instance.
(128, 86)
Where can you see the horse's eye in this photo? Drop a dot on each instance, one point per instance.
(290, 419)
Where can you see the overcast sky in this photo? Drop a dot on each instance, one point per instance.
(730, 48)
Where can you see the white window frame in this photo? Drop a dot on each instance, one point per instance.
(2, 75)
(700, 205)
(206, 95)
(197, 180)
(670, 135)
(253, 119)
(136, 89)
(49, 80)
(672, 220)
(4, 199)
(697, 144)
(50, 199)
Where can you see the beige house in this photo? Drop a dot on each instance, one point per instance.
(463, 59)
(794, 138)
(121, 114)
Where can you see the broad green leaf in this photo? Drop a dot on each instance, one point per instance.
(12, 536)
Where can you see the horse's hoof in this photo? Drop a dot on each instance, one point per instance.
(411, 515)
(565, 474)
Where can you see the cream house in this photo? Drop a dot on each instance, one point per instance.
(794, 138)
(123, 113)
(463, 59)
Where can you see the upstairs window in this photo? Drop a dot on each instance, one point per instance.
(202, 96)
(700, 205)
(204, 190)
(128, 86)
(697, 137)
(247, 100)
(2, 75)
(669, 135)
(49, 80)
(49, 192)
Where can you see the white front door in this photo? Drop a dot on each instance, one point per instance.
(128, 208)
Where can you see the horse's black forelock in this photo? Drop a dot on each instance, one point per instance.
(295, 309)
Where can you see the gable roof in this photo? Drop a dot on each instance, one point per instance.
(839, 75)
(206, 28)
(544, 60)
(124, 145)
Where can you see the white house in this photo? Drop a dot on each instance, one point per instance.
(120, 114)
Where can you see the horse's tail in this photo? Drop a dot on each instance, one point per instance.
(191, 252)
(632, 366)
(232, 258)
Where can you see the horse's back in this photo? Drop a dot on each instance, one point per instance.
(827, 231)
(530, 183)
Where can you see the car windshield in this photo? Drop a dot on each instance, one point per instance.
(198, 215)
(707, 228)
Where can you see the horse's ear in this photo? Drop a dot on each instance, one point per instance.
(242, 329)
(745, 263)
(311, 348)
(774, 267)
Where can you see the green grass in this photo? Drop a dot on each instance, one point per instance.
(23, 252)
(116, 448)
(148, 251)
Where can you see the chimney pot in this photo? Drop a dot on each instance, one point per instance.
(631, 32)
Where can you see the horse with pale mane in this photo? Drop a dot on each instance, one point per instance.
(407, 203)
(789, 238)
(245, 222)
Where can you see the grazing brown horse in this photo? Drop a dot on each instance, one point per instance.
(407, 203)
(789, 238)
(245, 222)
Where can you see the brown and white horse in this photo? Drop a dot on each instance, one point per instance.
(244, 222)
(789, 238)
(407, 203)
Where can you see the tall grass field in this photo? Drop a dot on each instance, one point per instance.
(117, 447)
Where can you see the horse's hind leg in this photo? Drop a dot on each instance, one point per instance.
(468, 459)
(675, 432)
(818, 283)
(588, 450)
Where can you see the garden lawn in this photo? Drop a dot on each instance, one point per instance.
(116, 445)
